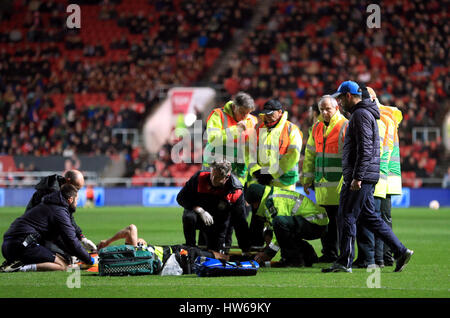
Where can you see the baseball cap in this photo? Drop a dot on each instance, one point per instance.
(348, 87)
(271, 106)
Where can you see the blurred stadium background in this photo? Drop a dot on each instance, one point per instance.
(106, 98)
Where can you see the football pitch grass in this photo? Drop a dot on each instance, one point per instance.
(425, 231)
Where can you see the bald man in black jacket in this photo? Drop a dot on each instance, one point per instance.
(52, 184)
(22, 243)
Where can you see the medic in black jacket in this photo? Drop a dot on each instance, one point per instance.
(212, 201)
(48, 220)
(52, 184)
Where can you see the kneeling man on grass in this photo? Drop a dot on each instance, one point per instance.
(22, 243)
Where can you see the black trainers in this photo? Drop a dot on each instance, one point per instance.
(403, 260)
(388, 263)
(388, 259)
(358, 264)
(4, 264)
(363, 265)
(380, 264)
(326, 259)
(11, 267)
(336, 268)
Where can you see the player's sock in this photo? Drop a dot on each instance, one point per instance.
(28, 268)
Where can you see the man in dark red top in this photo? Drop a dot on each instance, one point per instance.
(213, 200)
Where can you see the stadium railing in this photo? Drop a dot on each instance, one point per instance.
(30, 179)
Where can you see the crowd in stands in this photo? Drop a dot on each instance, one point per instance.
(64, 90)
(31, 127)
(162, 171)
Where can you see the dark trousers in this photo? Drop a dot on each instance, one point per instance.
(34, 253)
(385, 209)
(209, 236)
(257, 224)
(370, 247)
(191, 223)
(330, 240)
(255, 232)
(358, 206)
(291, 233)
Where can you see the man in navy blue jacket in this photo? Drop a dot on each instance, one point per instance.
(48, 220)
(51, 184)
(361, 171)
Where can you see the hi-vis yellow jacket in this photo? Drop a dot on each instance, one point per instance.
(323, 158)
(386, 132)
(227, 141)
(281, 202)
(277, 151)
(394, 183)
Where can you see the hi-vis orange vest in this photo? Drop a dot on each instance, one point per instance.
(284, 137)
(278, 152)
(386, 131)
(394, 181)
(229, 121)
(323, 159)
(224, 135)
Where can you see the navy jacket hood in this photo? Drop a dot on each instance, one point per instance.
(56, 198)
(50, 183)
(368, 105)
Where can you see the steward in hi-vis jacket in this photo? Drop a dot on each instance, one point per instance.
(322, 168)
(294, 218)
(227, 130)
(275, 150)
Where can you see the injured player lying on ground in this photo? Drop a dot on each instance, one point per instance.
(184, 254)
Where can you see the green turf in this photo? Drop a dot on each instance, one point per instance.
(425, 231)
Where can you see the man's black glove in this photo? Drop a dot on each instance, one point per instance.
(257, 174)
(263, 179)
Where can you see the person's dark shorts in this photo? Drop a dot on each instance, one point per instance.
(13, 250)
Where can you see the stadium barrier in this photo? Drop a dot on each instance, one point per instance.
(166, 196)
